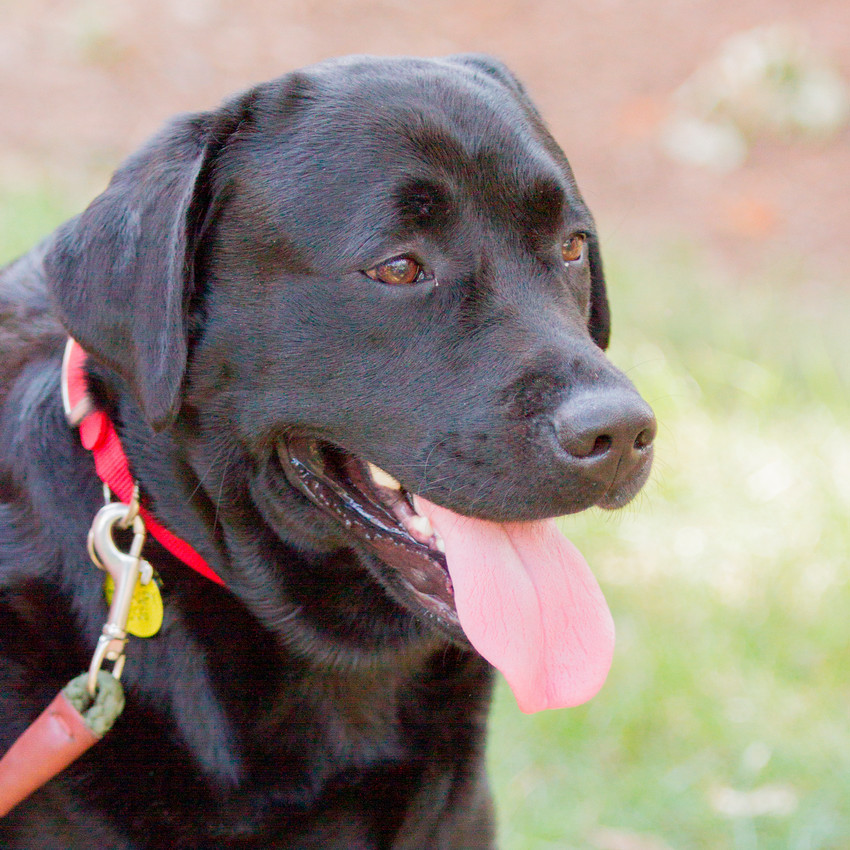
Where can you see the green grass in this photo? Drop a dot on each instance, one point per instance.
(26, 216)
(727, 577)
(724, 721)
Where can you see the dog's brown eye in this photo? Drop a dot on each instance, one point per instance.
(400, 271)
(573, 249)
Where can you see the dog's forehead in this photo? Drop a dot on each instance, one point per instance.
(378, 119)
(445, 115)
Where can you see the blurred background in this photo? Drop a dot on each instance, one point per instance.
(712, 141)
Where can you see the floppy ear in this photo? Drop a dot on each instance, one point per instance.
(122, 273)
(599, 323)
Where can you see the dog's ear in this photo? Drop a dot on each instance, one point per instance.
(599, 323)
(122, 273)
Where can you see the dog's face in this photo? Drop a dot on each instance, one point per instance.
(380, 280)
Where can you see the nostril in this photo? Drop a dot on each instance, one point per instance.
(644, 439)
(600, 446)
(588, 443)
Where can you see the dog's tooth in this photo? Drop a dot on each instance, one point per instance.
(420, 528)
(383, 479)
(434, 539)
(423, 525)
(402, 510)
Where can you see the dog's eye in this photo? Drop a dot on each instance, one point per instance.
(400, 271)
(573, 249)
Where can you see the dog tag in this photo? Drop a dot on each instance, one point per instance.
(146, 610)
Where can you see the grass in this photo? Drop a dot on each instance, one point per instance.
(724, 721)
(27, 215)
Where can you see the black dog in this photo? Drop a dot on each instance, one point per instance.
(364, 281)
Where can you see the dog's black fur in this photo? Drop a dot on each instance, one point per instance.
(218, 285)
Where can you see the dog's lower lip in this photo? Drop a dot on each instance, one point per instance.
(378, 515)
(352, 478)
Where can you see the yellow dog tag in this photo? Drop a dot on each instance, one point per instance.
(145, 616)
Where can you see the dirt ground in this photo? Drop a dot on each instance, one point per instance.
(82, 82)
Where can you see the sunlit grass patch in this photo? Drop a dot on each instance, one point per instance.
(27, 215)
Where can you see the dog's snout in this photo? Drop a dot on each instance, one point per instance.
(614, 427)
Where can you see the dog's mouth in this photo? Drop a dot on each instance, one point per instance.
(519, 592)
(380, 513)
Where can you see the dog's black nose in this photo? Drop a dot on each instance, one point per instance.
(613, 427)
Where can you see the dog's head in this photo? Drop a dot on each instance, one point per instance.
(366, 280)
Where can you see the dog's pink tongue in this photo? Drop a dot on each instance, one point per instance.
(530, 605)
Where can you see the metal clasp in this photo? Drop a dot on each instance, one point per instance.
(125, 569)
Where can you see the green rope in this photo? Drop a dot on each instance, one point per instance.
(102, 710)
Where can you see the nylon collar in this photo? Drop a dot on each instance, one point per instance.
(98, 435)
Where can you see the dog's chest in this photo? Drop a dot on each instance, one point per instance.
(341, 724)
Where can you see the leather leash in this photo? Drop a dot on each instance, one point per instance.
(69, 726)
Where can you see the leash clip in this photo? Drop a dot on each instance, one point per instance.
(126, 568)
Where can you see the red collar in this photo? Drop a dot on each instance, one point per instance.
(99, 436)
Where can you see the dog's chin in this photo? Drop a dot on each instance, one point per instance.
(362, 507)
